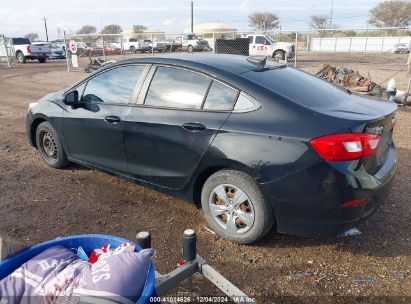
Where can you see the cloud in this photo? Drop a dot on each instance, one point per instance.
(244, 4)
(169, 21)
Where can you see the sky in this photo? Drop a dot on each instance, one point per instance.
(18, 18)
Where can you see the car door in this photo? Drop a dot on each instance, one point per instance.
(260, 45)
(93, 130)
(251, 48)
(178, 114)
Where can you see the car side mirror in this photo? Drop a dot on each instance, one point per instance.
(71, 99)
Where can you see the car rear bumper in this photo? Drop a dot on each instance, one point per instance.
(308, 203)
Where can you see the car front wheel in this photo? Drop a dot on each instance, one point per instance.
(49, 146)
(235, 207)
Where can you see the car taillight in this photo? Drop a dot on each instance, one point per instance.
(28, 49)
(346, 146)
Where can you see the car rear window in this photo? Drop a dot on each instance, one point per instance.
(20, 41)
(177, 88)
(298, 86)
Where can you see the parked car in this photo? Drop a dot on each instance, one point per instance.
(401, 48)
(57, 52)
(111, 49)
(255, 144)
(25, 50)
(267, 46)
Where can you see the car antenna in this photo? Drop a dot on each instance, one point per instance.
(258, 61)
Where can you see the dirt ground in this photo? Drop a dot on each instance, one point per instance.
(38, 203)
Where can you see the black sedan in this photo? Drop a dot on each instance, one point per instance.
(253, 143)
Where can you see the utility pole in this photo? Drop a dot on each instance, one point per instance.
(45, 26)
(192, 16)
(331, 13)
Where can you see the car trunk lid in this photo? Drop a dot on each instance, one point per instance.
(365, 115)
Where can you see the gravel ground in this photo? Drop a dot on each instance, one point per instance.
(38, 203)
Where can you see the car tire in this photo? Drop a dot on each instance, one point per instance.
(21, 58)
(132, 49)
(190, 49)
(42, 60)
(279, 55)
(49, 146)
(226, 219)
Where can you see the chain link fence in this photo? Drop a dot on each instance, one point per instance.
(377, 55)
(7, 54)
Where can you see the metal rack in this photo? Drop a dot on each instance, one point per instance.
(191, 263)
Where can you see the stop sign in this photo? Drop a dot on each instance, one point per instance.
(73, 46)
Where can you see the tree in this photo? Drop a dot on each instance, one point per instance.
(112, 29)
(32, 36)
(263, 21)
(87, 30)
(318, 22)
(138, 28)
(391, 14)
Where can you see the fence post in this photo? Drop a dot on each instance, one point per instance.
(213, 42)
(104, 52)
(152, 44)
(296, 48)
(65, 48)
(123, 53)
(7, 50)
(308, 41)
(366, 44)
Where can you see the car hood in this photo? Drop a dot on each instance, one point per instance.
(53, 97)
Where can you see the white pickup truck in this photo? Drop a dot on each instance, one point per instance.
(191, 42)
(133, 45)
(26, 51)
(267, 46)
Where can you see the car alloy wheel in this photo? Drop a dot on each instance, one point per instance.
(232, 209)
(48, 146)
(20, 57)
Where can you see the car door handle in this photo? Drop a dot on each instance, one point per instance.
(194, 126)
(112, 119)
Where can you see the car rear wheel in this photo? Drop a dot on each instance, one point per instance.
(235, 207)
(132, 49)
(21, 58)
(42, 60)
(49, 146)
(190, 49)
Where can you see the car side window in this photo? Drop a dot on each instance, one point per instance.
(246, 103)
(177, 88)
(260, 40)
(113, 86)
(220, 97)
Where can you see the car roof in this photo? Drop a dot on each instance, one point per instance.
(208, 63)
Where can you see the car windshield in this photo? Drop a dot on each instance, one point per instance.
(271, 40)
